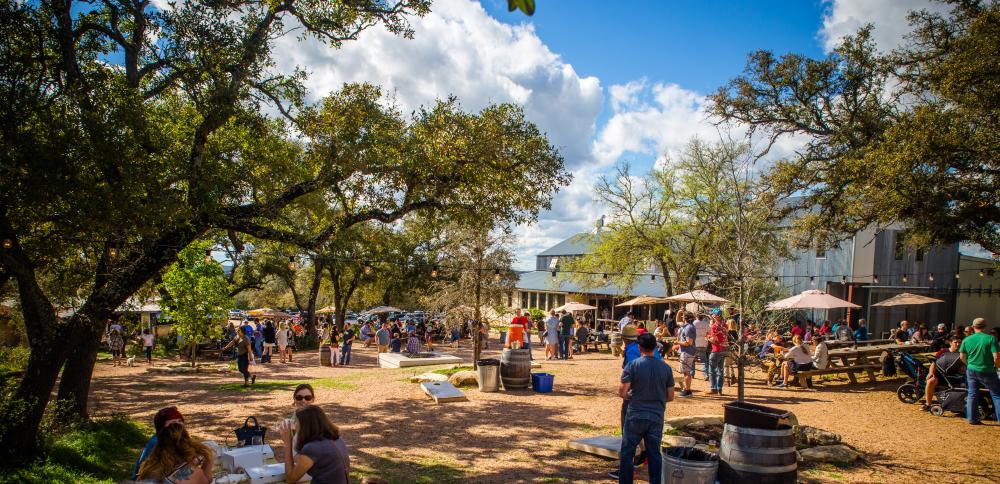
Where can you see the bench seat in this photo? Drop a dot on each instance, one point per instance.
(804, 378)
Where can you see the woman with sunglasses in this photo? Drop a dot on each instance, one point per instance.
(303, 396)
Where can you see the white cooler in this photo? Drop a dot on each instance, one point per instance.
(270, 473)
(246, 457)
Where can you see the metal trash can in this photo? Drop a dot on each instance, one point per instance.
(488, 375)
(688, 465)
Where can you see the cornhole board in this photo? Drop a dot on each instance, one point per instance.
(442, 391)
(606, 446)
(535, 365)
(400, 360)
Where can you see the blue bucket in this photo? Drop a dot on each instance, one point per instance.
(542, 382)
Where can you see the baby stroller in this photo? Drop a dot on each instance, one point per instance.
(916, 378)
(953, 396)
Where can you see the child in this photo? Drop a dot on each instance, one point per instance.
(455, 337)
(147, 345)
(334, 345)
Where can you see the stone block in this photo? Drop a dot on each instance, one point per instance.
(830, 454)
(463, 378)
(425, 377)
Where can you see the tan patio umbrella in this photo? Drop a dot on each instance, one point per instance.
(811, 299)
(268, 313)
(327, 310)
(697, 296)
(643, 301)
(907, 299)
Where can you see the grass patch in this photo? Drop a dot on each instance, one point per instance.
(419, 470)
(825, 471)
(101, 451)
(286, 385)
(13, 360)
(600, 429)
(451, 371)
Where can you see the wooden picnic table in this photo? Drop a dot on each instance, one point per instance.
(864, 354)
(836, 343)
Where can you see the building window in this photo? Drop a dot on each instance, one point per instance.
(900, 248)
(562, 299)
(533, 300)
(524, 300)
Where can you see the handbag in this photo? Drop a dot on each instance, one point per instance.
(246, 433)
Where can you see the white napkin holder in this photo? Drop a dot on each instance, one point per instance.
(246, 457)
(270, 473)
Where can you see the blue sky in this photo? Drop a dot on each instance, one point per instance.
(697, 44)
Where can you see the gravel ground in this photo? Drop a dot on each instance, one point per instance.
(395, 431)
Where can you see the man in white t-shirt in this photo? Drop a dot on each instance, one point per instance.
(628, 319)
(147, 345)
(701, 327)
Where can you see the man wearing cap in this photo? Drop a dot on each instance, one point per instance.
(163, 418)
(648, 384)
(939, 338)
(981, 356)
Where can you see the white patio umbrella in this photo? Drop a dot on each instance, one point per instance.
(643, 301)
(811, 299)
(575, 306)
(384, 310)
(697, 296)
(326, 310)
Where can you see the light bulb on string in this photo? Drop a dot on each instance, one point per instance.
(843, 280)
(812, 280)
(905, 279)
(605, 277)
(930, 277)
(112, 252)
(777, 281)
(875, 279)
(208, 256)
(652, 278)
(958, 275)
(368, 268)
(496, 275)
(553, 273)
(7, 243)
(434, 271)
(982, 273)
(291, 263)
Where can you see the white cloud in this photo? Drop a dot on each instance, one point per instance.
(458, 49)
(845, 17)
(653, 120)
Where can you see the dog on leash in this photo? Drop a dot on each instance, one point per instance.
(130, 361)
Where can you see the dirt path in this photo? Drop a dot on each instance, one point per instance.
(395, 431)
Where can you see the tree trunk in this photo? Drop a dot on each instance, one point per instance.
(74, 386)
(47, 337)
(311, 303)
(194, 352)
(477, 336)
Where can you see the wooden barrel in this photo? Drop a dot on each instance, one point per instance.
(515, 368)
(324, 355)
(757, 456)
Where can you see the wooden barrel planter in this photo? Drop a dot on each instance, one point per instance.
(757, 456)
(515, 368)
(324, 355)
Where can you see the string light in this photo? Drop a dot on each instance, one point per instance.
(605, 276)
(434, 271)
(113, 253)
(931, 277)
(368, 268)
(208, 256)
(812, 280)
(905, 279)
(652, 278)
(982, 273)
(291, 263)
(843, 280)
(777, 281)
(496, 275)
(7, 243)
(875, 279)
(957, 275)
(553, 273)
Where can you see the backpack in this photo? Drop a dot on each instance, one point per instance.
(888, 364)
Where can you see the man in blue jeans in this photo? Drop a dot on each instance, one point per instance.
(345, 347)
(648, 384)
(981, 355)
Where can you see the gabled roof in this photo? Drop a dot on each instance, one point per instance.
(578, 244)
(543, 281)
